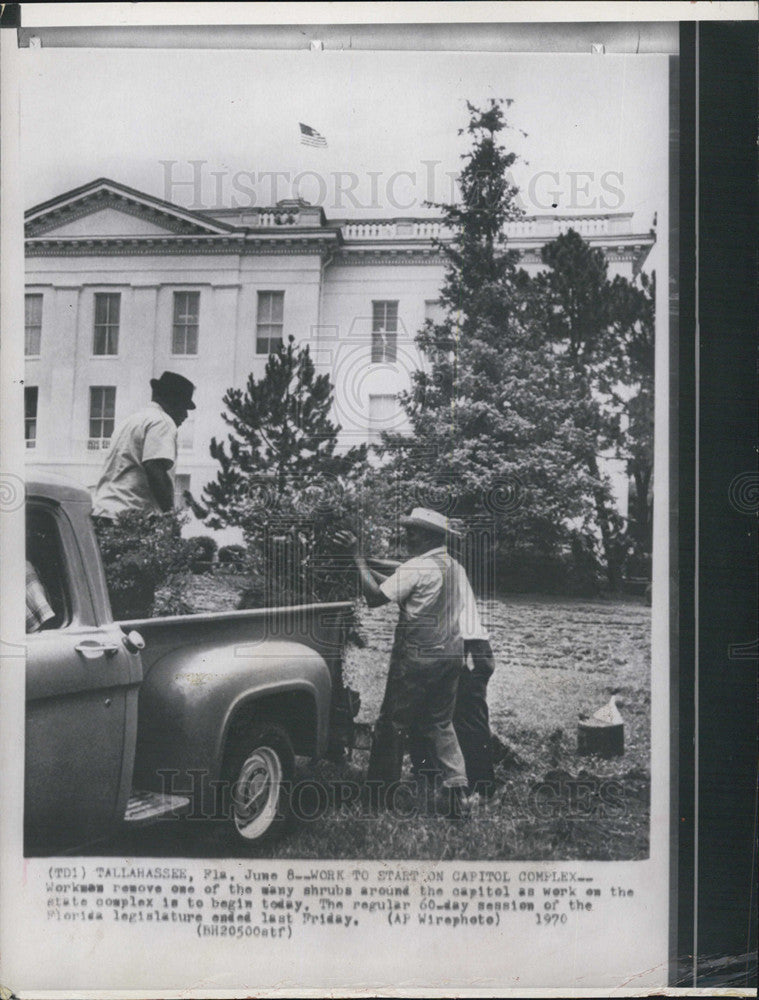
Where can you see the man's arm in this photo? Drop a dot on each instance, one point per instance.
(159, 481)
(369, 586)
(38, 610)
(199, 511)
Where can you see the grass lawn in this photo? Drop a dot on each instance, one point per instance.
(556, 658)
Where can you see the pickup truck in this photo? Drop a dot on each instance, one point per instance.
(127, 722)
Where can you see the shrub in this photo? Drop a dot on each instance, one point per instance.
(573, 571)
(291, 556)
(232, 555)
(142, 554)
(202, 550)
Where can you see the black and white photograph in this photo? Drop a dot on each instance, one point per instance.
(346, 464)
(273, 337)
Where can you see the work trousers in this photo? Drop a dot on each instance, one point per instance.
(471, 719)
(471, 723)
(422, 699)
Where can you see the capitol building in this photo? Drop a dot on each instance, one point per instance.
(121, 285)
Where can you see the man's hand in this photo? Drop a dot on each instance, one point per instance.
(347, 540)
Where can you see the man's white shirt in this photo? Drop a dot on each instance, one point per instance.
(148, 434)
(416, 584)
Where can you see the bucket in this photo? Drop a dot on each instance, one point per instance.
(601, 739)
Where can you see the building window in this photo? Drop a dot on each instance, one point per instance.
(184, 335)
(107, 310)
(32, 325)
(271, 306)
(102, 411)
(383, 411)
(384, 331)
(31, 394)
(434, 310)
(181, 483)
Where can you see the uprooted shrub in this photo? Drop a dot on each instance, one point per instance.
(290, 554)
(146, 562)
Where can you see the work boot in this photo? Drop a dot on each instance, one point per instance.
(454, 802)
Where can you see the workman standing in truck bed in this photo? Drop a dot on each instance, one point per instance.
(139, 471)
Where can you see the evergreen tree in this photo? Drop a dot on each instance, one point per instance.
(494, 413)
(281, 437)
(633, 312)
(604, 331)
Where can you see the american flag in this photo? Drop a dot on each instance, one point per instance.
(310, 137)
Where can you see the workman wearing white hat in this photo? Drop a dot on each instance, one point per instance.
(427, 655)
(470, 717)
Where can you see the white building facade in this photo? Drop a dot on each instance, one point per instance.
(121, 285)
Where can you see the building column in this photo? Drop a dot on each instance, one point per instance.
(133, 389)
(57, 403)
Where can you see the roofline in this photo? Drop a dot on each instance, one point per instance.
(165, 206)
(382, 220)
(208, 216)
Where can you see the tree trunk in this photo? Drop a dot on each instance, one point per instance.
(610, 547)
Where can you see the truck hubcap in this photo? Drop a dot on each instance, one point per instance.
(256, 793)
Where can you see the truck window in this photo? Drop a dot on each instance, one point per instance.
(47, 600)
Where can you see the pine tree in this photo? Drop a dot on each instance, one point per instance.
(604, 331)
(281, 437)
(494, 412)
(633, 312)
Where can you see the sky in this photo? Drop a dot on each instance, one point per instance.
(208, 128)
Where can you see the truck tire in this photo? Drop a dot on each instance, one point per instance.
(260, 767)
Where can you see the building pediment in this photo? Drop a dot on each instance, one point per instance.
(107, 209)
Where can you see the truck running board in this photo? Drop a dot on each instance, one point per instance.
(147, 807)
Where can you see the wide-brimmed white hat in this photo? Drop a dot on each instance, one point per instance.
(432, 520)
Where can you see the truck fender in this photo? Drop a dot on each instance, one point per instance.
(189, 702)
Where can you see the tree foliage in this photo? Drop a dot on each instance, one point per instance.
(281, 435)
(528, 383)
(284, 482)
(604, 328)
(494, 412)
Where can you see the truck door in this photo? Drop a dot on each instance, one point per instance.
(81, 693)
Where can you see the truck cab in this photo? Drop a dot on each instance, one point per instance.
(82, 681)
(232, 696)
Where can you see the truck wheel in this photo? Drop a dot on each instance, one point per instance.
(260, 772)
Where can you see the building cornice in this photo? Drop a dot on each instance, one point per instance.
(277, 244)
(295, 228)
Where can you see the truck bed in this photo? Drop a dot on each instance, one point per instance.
(318, 626)
(203, 673)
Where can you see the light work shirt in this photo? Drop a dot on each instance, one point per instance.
(416, 584)
(148, 434)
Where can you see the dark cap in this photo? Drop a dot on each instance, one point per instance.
(175, 388)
